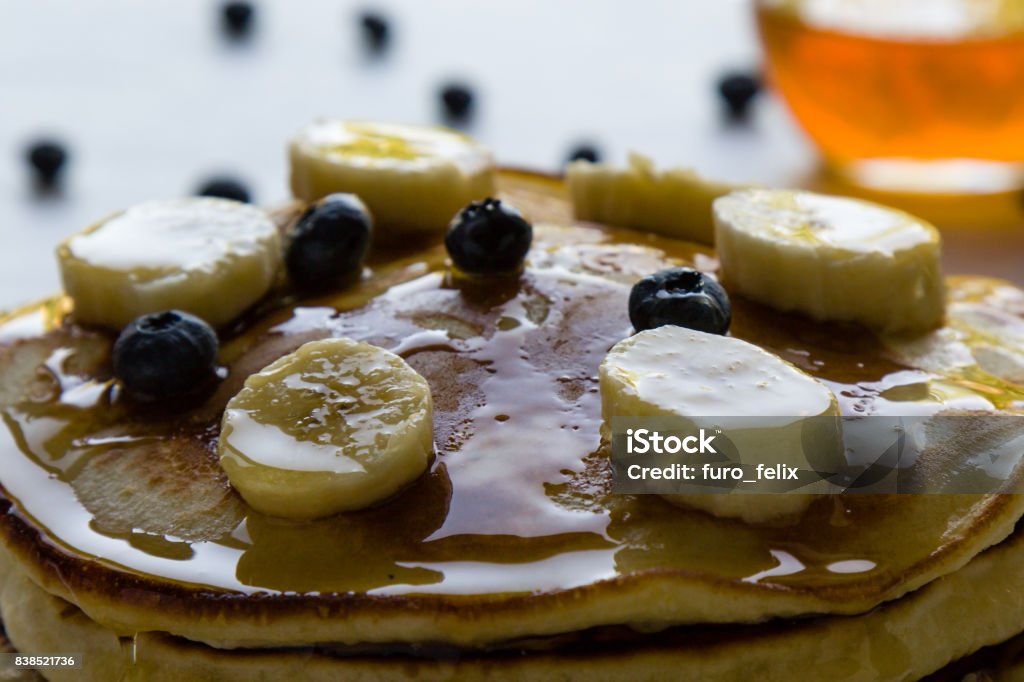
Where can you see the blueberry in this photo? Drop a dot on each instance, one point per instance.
(585, 152)
(224, 188)
(681, 296)
(488, 237)
(327, 245)
(376, 30)
(457, 100)
(737, 91)
(47, 158)
(237, 17)
(166, 355)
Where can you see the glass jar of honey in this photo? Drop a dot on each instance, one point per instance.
(905, 94)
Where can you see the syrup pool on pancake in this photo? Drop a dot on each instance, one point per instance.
(524, 358)
(516, 507)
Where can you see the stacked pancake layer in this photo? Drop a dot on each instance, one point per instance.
(118, 522)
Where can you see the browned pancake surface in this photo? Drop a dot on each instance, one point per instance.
(122, 509)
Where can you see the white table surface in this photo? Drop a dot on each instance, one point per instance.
(151, 98)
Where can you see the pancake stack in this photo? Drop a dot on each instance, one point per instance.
(511, 558)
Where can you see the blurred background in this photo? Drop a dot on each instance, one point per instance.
(154, 99)
(151, 99)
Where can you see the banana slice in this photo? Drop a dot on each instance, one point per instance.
(210, 257)
(674, 202)
(335, 426)
(759, 400)
(413, 178)
(832, 258)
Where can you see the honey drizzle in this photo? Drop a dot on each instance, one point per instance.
(517, 500)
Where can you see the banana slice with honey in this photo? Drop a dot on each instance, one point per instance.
(761, 402)
(674, 202)
(414, 179)
(210, 257)
(832, 258)
(335, 426)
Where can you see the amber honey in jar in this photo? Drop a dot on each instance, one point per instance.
(920, 94)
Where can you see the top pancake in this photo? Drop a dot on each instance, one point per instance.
(514, 532)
